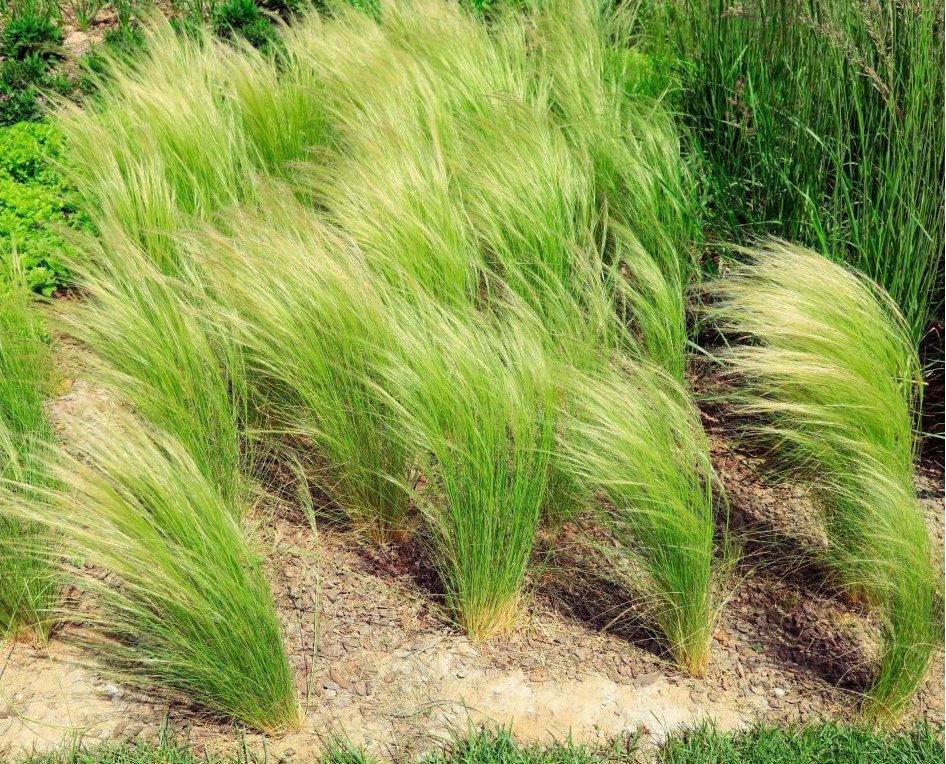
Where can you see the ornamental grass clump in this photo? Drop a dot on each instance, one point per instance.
(175, 135)
(153, 346)
(310, 318)
(466, 156)
(641, 188)
(475, 402)
(28, 586)
(632, 440)
(183, 608)
(826, 374)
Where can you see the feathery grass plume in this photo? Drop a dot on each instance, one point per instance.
(184, 607)
(311, 318)
(152, 345)
(163, 143)
(279, 102)
(632, 437)
(156, 147)
(388, 181)
(525, 195)
(476, 402)
(641, 186)
(28, 586)
(831, 380)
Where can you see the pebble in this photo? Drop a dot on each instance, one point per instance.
(339, 677)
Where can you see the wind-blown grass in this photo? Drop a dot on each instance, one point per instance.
(28, 586)
(641, 188)
(152, 345)
(464, 201)
(310, 318)
(476, 404)
(830, 379)
(175, 135)
(633, 438)
(183, 607)
(489, 166)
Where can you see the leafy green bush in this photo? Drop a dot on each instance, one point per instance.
(30, 32)
(243, 18)
(34, 198)
(23, 83)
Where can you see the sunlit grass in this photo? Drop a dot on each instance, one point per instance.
(827, 376)
(633, 440)
(180, 604)
(28, 585)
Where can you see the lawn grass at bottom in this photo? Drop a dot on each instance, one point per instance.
(826, 743)
(816, 744)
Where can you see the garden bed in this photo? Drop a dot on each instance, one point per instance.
(372, 651)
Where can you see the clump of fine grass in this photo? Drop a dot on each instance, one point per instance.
(28, 586)
(484, 154)
(175, 133)
(830, 379)
(461, 165)
(476, 404)
(183, 607)
(642, 190)
(632, 438)
(310, 319)
(152, 345)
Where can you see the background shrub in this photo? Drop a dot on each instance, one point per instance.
(34, 201)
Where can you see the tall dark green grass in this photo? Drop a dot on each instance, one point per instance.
(28, 586)
(827, 379)
(821, 122)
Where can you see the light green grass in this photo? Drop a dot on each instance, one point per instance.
(827, 376)
(28, 586)
(311, 321)
(633, 438)
(183, 608)
(152, 345)
(466, 204)
(476, 403)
